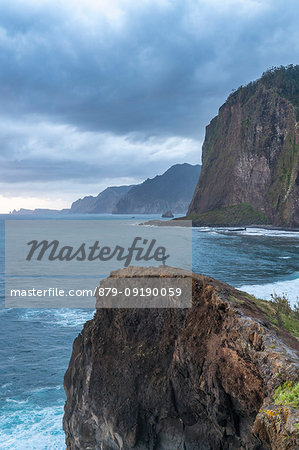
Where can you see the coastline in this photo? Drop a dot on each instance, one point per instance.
(184, 222)
(18, 398)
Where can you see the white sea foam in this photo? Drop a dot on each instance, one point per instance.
(32, 429)
(58, 387)
(33, 315)
(266, 233)
(59, 317)
(72, 317)
(18, 402)
(249, 232)
(4, 311)
(290, 288)
(208, 230)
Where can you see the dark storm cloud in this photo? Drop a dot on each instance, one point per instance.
(47, 170)
(98, 90)
(165, 69)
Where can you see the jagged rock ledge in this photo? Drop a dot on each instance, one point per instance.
(197, 378)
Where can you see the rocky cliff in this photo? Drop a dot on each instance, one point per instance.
(250, 172)
(220, 375)
(172, 190)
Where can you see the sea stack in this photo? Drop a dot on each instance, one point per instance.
(168, 214)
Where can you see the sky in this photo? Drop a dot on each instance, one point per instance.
(97, 93)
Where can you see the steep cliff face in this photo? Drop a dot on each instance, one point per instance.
(250, 171)
(198, 378)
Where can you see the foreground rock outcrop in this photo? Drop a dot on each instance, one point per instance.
(250, 172)
(199, 378)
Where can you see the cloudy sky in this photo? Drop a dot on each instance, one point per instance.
(108, 92)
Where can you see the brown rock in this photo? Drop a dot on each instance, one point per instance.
(251, 156)
(178, 378)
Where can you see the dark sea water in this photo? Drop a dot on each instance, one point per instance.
(36, 344)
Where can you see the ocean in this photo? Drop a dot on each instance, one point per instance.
(36, 344)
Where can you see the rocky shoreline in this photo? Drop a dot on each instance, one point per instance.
(184, 222)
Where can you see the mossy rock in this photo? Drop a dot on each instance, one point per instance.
(287, 394)
(241, 214)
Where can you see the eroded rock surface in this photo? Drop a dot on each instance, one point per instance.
(165, 379)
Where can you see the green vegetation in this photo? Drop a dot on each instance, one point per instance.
(235, 215)
(281, 303)
(289, 317)
(285, 177)
(236, 300)
(279, 312)
(287, 394)
(282, 80)
(286, 83)
(267, 307)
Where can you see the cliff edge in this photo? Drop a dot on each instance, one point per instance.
(220, 375)
(250, 171)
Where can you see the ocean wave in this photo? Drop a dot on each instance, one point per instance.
(201, 229)
(59, 317)
(18, 402)
(72, 318)
(269, 233)
(290, 288)
(32, 429)
(4, 311)
(58, 387)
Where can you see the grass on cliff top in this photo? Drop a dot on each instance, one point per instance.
(279, 312)
(283, 79)
(236, 215)
(287, 394)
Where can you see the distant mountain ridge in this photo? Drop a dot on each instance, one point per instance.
(38, 211)
(102, 203)
(172, 190)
